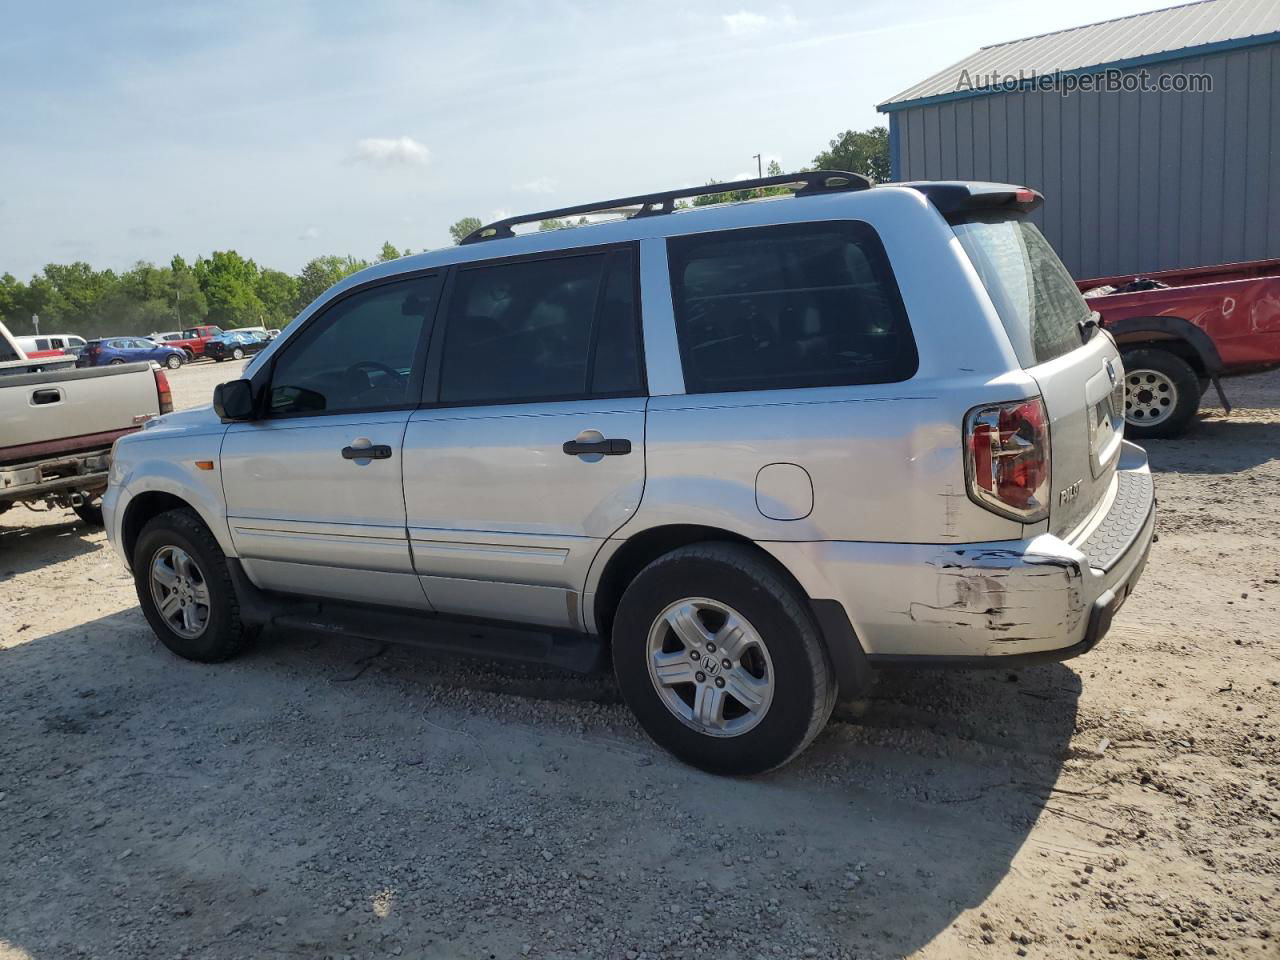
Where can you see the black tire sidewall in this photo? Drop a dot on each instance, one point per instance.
(1184, 379)
(170, 362)
(221, 635)
(793, 652)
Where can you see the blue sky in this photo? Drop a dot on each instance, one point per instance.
(286, 130)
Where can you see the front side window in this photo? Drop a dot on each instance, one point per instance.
(1038, 303)
(797, 305)
(547, 329)
(360, 354)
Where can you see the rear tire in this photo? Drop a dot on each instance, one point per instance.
(237, 354)
(178, 568)
(1162, 393)
(115, 361)
(90, 513)
(709, 620)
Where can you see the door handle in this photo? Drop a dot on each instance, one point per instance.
(377, 451)
(48, 395)
(609, 448)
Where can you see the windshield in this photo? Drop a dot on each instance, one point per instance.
(1037, 301)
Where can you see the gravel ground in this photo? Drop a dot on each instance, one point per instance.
(325, 799)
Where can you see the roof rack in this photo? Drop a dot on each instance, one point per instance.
(653, 204)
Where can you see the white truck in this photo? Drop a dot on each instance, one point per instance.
(58, 424)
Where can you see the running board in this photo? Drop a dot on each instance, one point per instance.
(576, 652)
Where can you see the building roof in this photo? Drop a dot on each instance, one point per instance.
(1167, 34)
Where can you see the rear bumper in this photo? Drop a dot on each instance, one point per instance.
(988, 604)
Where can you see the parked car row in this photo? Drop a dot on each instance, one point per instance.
(171, 349)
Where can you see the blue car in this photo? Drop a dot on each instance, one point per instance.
(99, 353)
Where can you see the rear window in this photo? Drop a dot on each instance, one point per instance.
(1036, 298)
(795, 305)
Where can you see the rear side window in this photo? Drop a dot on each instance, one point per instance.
(546, 329)
(1033, 293)
(797, 305)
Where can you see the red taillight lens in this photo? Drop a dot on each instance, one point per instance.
(1007, 458)
(164, 391)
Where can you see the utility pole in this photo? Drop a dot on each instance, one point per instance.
(178, 304)
(759, 165)
(35, 322)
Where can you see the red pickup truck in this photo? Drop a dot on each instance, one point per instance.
(193, 340)
(1181, 330)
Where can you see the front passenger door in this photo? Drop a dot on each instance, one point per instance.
(314, 494)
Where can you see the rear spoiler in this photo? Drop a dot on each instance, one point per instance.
(955, 199)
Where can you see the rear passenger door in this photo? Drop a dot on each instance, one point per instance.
(529, 451)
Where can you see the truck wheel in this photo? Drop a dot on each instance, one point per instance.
(173, 362)
(720, 660)
(185, 591)
(90, 513)
(1161, 396)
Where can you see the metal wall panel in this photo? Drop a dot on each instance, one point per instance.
(1133, 182)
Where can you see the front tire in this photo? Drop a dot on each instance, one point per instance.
(173, 362)
(185, 589)
(1161, 396)
(719, 658)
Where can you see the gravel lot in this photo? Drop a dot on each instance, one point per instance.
(317, 798)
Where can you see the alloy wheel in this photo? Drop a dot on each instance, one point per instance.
(710, 667)
(180, 592)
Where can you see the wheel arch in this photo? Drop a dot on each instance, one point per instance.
(1174, 334)
(639, 550)
(147, 505)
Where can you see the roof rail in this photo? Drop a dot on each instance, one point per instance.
(653, 204)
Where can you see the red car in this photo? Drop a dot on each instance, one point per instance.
(1181, 330)
(193, 340)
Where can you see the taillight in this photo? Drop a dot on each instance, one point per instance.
(1007, 458)
(164, 391)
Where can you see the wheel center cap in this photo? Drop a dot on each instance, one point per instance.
(711, 665)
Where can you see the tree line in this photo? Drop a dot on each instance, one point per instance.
(227, 289)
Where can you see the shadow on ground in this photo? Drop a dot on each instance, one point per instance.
(321, 798)
(1217, 446)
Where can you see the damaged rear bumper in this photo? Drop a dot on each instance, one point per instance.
(988, 604)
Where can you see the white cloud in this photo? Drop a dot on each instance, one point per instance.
(747, 22)
(500, 214)
(536, 185)
(310, 233)
(391, 152)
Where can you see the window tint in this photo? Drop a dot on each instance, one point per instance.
(360, 354)
(528, 330)
(1036, 299)
(800, 305)
(617, 350)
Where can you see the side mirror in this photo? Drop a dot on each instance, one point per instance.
(233, 400)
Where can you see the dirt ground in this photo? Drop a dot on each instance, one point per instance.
(326, 799)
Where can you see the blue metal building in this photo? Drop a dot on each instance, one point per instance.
(1177, 165)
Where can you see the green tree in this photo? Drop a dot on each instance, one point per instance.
(229, 282)
(322, 273)
(278, 292)
(556, 224)
(12, 294)
(464, 227)
(858, 151)
(390, 253)
(733, 196)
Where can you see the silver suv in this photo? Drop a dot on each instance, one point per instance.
(748, 451)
